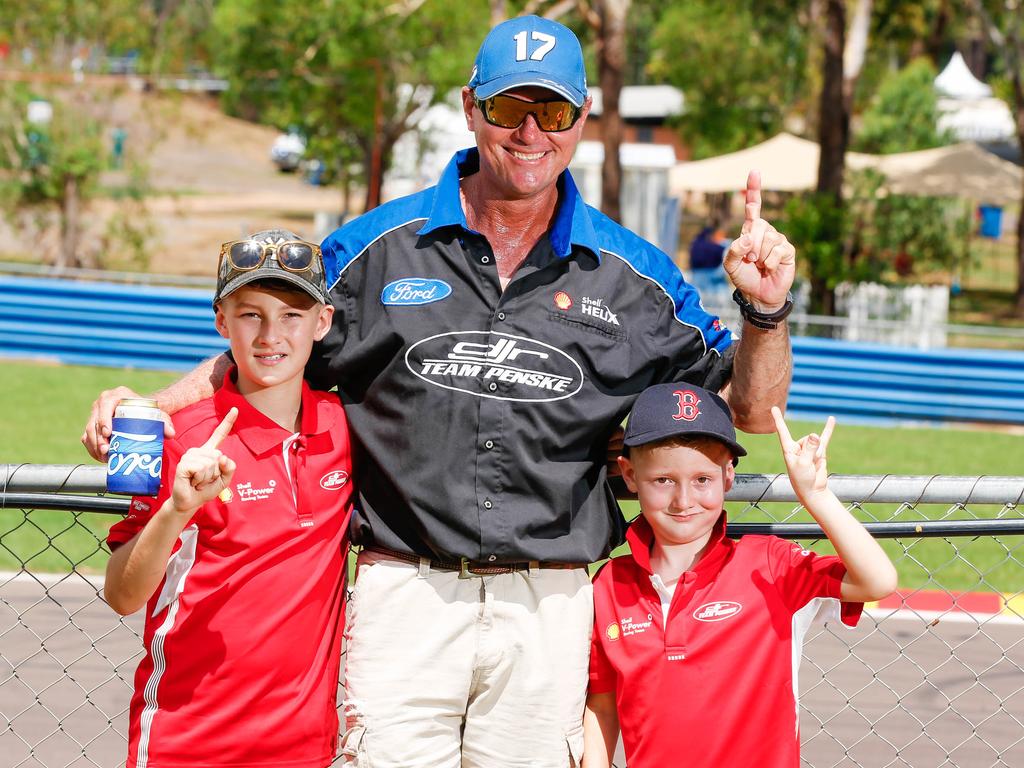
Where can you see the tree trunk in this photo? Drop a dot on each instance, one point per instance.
(855, 51)
(611, 52)
(375, 165)
(833, 119)
(69, 214)
(833, 136)
(499, 12)
(1018, 101)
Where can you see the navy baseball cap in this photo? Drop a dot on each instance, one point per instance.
(667, 410)
(529, 50)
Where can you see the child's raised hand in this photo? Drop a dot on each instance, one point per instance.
(805, 459)
(203, 472)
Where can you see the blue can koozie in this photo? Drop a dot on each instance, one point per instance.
(136, 451)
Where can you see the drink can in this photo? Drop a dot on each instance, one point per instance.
(136, 448)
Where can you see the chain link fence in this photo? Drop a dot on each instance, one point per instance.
(931, 677)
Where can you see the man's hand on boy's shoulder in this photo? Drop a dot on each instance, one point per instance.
(203, 472)
(96, 435)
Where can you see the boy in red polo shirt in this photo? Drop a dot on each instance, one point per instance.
(240, 558)
(697, 637)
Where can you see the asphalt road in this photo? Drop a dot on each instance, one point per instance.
(903, 691)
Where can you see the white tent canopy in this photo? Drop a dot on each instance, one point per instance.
(957, 82)
(789, 163)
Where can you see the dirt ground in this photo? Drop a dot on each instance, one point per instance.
(211, 180)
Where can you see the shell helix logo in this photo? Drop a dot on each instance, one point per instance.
(612, 631)
(563, 300)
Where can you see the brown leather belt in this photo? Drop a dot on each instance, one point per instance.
(466, 568)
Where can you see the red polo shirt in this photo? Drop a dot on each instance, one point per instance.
(243, 636)
(715, 685)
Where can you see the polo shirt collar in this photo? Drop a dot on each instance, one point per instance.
(640, 537)
(572, 225)
(258, 432)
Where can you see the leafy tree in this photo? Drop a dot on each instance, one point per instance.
(353, 76)
(880, 237)
(904, 114)
(741, 66)
(1003, 23)
(50, 167)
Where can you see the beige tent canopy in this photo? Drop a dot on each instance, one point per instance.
(789, 163)
(959, 170)
(786, 162)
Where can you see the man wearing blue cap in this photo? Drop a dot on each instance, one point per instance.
(490, 334)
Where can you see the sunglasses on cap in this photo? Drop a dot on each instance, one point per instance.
(293, 255)
(509, 112)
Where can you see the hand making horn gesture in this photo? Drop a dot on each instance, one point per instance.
(203, 472)
(805, 458)
(761, 262)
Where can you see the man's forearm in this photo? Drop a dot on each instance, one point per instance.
(199, 383)
(761, 373)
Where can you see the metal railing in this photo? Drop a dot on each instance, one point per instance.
(931, 677)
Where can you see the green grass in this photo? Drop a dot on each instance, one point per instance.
(966, 563)
(46, 407)
(41, 421)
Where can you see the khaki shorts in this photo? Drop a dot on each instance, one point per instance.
(478, 672)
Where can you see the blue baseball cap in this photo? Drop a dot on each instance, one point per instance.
(667, 410)
(529, 50)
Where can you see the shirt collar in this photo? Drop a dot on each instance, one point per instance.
(572, 225)
(640, 537)
(256, 430)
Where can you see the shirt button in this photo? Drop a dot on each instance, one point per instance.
(485, 259)
(492, 558)
(487, 504)
(501, 315)
(489, 444)
(492, 386)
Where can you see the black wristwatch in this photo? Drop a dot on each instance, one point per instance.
(763, 320)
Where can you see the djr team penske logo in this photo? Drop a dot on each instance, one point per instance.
(495, 365)
(334, 480)
(719, 611)
(413, 291)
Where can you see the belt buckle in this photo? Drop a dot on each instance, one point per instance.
(464, 572)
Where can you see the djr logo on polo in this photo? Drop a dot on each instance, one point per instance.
(334, 480)
(717, 611)
(495, 365)
(414, 291)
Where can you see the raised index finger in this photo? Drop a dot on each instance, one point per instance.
(781, 429)
(753, 206)
(223, 429)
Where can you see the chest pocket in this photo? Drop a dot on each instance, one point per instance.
(606, 329)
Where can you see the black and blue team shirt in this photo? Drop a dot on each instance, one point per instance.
(481, 417)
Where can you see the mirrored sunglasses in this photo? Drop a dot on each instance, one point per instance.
(510, 112)
(293, 255)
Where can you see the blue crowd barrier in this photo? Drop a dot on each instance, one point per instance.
(172, 329)
(107, 324)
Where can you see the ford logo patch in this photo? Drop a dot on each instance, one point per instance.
(413, 291)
